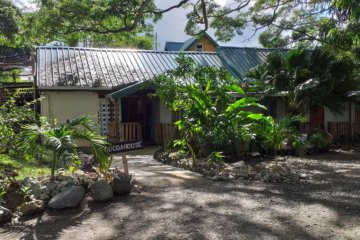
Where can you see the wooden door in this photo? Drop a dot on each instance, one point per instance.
(317, 117)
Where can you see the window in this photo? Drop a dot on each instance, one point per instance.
(199, 47)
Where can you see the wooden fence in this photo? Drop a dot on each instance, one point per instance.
(341, 129)
(309, 127)
(166, 133)
(124, 132)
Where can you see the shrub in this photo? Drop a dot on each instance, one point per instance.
(61, 141)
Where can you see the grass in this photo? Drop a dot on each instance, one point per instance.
(26, 168)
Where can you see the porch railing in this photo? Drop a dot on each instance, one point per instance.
(308, 127)
(166, 133)
(340, 129)
(124, 132)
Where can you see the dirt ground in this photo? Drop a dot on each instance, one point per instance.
(171, 203)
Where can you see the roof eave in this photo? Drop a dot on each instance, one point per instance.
(74, 88)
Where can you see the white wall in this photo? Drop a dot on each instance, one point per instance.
(280, 108)
(165, 114)
(65, 105)
(344, 117)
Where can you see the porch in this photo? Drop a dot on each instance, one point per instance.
(139, 116)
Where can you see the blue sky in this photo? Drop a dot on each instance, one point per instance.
(171, 26)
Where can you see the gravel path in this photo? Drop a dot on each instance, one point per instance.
(171, 203)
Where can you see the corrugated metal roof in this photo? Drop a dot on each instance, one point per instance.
(239, 60)
(91, 67)
(173, 46)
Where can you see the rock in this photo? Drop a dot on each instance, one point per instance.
(257, 176)
(50, 186)
(260, 167)
(101, 191)
(255, 154)
(35, 206)
(219, 178)
(44, 196)
(79, 173)
(303, 176)
(121, 184)
(239, 164)
(63, 178)
(70, 197)
(54, 192)
(34, 186)
(281, 170)
(5, 215)
(63, 185)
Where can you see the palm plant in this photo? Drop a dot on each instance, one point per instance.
(307, 79)
(277, 133)
(62, 140)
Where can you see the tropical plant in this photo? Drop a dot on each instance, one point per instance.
(12, 116)
(307, 79)
(214, 108)
(277, 134)
(62, 140)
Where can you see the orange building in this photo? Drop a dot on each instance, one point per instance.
(203, 43)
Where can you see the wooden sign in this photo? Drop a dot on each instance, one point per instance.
(125, 146)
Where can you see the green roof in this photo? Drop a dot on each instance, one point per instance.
(239, 60)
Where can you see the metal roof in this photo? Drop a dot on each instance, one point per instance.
(239, 60)
(65, 67)
(173, 46)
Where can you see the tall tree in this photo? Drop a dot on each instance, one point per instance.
(307, 79)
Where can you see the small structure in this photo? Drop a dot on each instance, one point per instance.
(203, 43)
(110, 85)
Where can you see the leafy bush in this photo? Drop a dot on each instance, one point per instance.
(212, 118)
(12, 117)
(277, 134)
(320, 141)
(62, 139)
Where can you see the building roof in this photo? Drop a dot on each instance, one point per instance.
(185, 46)
(239, 60)
(67, 68)
(173, 46)
(190, 42)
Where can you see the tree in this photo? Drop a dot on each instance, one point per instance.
(102, 23)
(62, 141)
(307, 79)
(9, 17)
(211, 118)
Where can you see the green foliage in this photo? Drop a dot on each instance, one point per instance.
(212, 118)
(9, 16)
(104, 23)
(216, 157)
(282, 133)
(12, 117)
(307, 79)
(62, 140)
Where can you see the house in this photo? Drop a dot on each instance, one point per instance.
(106, 83)
(203, 43)
(109, 85)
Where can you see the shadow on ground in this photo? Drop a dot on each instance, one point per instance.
(171, 203)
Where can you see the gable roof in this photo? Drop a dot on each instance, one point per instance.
(239, 60)
(173, 46)
(89, 68)
(190, 42)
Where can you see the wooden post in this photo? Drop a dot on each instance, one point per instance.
(125, 163)
(116, 117)
(350, 137)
